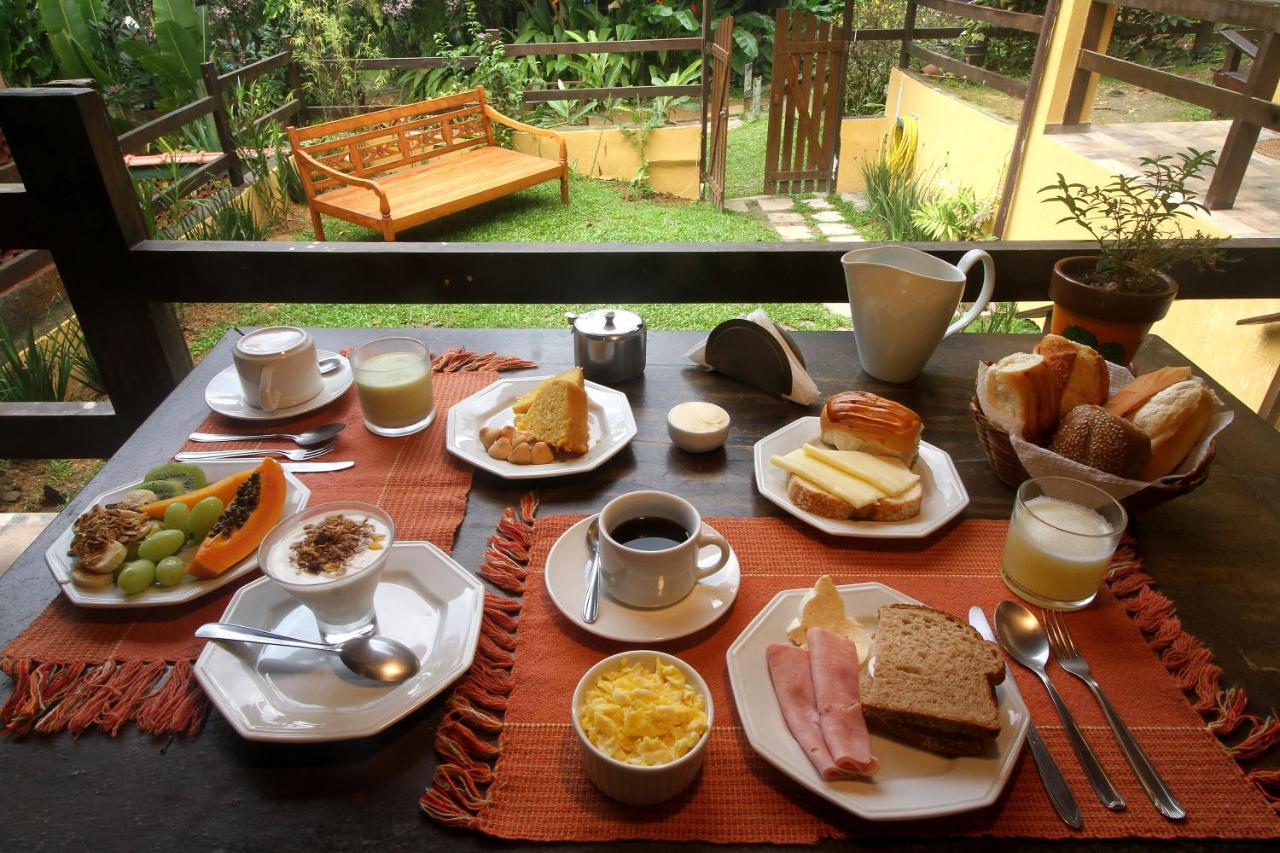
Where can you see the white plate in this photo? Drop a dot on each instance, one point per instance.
(224, 396)
(911, 783)
(425, 600)
(296, 496)
(566, 577)
(610, 426)
(944, 492)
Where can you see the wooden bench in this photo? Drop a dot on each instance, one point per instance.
(430, 159)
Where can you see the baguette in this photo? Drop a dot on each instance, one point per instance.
(1020, 390)
(1174, 419)
(1079, 372)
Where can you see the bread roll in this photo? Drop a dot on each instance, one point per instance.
(1079, 372)
(859, 420)
(1146, 386)
(1093, 436)
(1174, 419)
(1021, 390)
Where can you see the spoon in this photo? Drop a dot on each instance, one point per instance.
(310, 438)
(377, 658)
(329, 364)
(591, 604)
(1025, 641)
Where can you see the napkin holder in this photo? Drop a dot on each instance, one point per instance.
(745, 351)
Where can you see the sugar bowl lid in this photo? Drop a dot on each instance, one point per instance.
(607, 322)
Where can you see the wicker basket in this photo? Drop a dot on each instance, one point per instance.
(1008, 467)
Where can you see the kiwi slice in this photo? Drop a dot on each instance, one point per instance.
(165, 489)
(190, 476)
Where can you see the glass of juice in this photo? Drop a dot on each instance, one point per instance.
(1060, 541)
(393, 379)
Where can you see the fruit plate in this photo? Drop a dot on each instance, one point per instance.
(911, 783)
(610, 426)
(296, 496)
(425, 600)
(944, 493)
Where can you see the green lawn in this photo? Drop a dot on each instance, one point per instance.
(744, 159)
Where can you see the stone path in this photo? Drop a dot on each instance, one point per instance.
(797, 219)
(17, 531)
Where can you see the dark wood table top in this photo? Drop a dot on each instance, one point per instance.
(1213, 552)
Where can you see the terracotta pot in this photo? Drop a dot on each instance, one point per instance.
(1113, 323)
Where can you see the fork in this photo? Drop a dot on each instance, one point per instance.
(293, 455)
(1070, 659)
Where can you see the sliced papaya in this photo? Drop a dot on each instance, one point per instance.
(225, 489)
(256, 507)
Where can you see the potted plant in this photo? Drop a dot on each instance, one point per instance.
(1110, 301)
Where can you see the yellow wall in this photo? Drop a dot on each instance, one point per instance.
(860, 139)
(607, 152)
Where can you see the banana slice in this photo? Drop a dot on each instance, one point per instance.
(110, 558)
(90, 580)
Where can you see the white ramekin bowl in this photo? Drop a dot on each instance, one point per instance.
(630, 783)
(694, 441)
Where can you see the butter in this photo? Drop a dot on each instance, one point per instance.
(644, 715)
(822, 607)
(698, 417)
(888, 475)
(857, 492)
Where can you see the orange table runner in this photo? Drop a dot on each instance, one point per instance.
(79, 669)
(531, 784)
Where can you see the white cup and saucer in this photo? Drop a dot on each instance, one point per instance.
(665, 573)
(275, 374)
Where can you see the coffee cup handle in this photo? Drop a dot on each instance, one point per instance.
(267, 396)
(707, 536)
(988, 287)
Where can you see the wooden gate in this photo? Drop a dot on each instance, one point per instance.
(720, 49)
(805, 106)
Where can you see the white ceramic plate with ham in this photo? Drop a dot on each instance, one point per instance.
(909, 783)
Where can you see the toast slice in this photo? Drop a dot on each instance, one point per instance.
(933, 673)
(811, 498)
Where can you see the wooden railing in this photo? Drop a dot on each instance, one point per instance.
(986, 14)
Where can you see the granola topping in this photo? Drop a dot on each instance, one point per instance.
(331, 547)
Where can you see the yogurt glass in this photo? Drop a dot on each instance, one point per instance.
(341, 599)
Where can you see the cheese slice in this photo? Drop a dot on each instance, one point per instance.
(823, 608)
(890, 475)
(842, 485)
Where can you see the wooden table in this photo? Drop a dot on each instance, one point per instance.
(1213, 552)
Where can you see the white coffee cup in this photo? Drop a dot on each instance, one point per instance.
(278, 368)
(655, 578)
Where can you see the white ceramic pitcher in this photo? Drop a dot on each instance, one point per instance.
(903, 301)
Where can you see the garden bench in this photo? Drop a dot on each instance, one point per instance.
(396, 168)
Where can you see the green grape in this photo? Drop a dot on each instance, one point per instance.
(169, 571)
(157, 546)
(175, 516)
(203, 516)
(136, 576)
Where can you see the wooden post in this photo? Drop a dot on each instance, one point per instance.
(293, 79)
(222, 123)
(908, 29)
(1264, 74)
(1097, 27)
(83, 200)
(842, 80)
(707, 8)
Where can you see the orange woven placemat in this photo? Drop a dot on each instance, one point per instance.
(534, 787)
(79, 669)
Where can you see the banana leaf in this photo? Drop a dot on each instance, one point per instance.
(70, 36)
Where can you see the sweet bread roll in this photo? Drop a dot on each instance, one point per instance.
(1174, 420)
(1020, 390)
(1146, 386)
(1079, 372)
(1093, 436)
(859, 420)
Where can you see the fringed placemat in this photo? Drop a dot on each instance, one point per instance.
(511, 765)
(76, 669)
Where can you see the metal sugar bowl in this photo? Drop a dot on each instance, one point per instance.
(609, 344)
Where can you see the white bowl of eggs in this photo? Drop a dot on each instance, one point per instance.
(643, 718)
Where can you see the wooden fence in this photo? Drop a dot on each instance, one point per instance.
(986, 14)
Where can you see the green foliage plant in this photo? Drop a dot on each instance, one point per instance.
(954, 214)
(326, 44)
(1138, 221)
(178, 44)
(893, 196)
(26, 57)
(37, 371)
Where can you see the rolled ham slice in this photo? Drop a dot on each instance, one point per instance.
(833, 665)
(793, 685)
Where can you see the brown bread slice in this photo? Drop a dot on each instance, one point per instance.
(942, 743)
(932, 672)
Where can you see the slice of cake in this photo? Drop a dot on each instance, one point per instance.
(573, 375)
(558, 415)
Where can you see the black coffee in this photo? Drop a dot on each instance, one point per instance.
(649, 533)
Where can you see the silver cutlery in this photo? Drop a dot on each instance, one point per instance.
(1055, 784)
(316, 467)
(1070, 659)
(310, 438)
(1024, 640)
(293, 455)
(378, 658)
(591, 604)
(329, 364)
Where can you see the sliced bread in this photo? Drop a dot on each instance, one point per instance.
(812, 498)
(932, 672)
(942, 743)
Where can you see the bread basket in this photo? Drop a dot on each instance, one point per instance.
(1008, 467)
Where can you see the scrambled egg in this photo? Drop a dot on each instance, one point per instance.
(643, 715)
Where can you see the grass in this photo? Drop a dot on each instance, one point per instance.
(744, 160)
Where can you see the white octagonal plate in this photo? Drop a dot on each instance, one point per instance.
(911, 783)
(60, 564)
(610, 425)
(425, 600)
(944, 492)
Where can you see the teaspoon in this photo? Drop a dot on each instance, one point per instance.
(329, 365)
(591, 604)
(310, 438)
(375, 657)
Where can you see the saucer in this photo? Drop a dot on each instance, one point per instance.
(269, 693)
(566, 575)
(224, 396)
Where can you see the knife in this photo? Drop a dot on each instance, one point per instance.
(1055, 784)
(316, 467)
